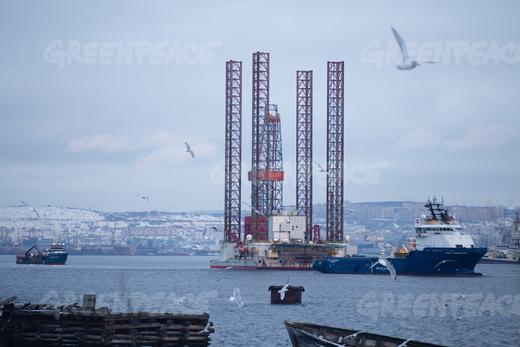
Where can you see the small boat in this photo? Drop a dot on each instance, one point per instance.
(56, 255)
(313, 335)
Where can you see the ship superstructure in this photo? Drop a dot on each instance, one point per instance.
(440, 230)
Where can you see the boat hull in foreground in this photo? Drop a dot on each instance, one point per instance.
(313, 335)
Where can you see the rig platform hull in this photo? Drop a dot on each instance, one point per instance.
(275, 256)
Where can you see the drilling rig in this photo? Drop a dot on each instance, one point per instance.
(274, 238)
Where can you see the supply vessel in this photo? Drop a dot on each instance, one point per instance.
(441, 247)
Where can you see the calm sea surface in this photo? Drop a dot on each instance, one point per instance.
(482, 311)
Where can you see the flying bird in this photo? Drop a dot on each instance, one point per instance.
(189, 150)
(442, 262)
(206, 328)
(388, 265)
(283, 290)
(31, 208)
(210, 228)
(404, 344)
(237, 298)
(254, 209)
(321, 168)
(406, 62)
(144, 197)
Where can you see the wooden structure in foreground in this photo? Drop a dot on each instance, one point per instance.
(45, 325)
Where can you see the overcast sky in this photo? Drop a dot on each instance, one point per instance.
(84, 123)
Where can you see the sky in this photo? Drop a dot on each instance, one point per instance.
(97, 98)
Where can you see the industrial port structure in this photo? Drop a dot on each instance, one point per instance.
(267, 175)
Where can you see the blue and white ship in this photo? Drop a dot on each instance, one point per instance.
(441, 248)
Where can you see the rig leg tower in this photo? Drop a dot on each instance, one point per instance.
(335, 152)
(233, 151)
(304, 149)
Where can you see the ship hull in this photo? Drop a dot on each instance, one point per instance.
(498, 261)
(47, 259)
(313, 335)
(427, 262)
(55, 259)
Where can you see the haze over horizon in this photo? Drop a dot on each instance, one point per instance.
(95, 133)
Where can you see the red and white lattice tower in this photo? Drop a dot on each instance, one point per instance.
(304, 149)
(260, 107)
(233, 151)
(335, 150)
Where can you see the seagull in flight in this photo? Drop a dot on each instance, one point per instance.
(321, 168)
(283, 290)
(406, 63)
(237, 298)
(206, 329)
(189, 150)
(442, 262)
(404, 344)
(31, 208)
(144, 197)
(388, 265)
(254, 209)
(214, 228)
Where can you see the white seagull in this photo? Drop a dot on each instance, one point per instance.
(406, 63)
(206, 328)
(283, 290)
(388, 265)
(404, 344)
(254, 209)
(442, 262)
(210, 228)
(144, 197)
(237, 298)
(31, 208)
(189, 150)
(321, 168)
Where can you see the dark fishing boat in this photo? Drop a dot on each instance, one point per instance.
(56, 255)
(313, 335)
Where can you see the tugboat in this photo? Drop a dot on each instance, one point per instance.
(441, 249)
(56, 255)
